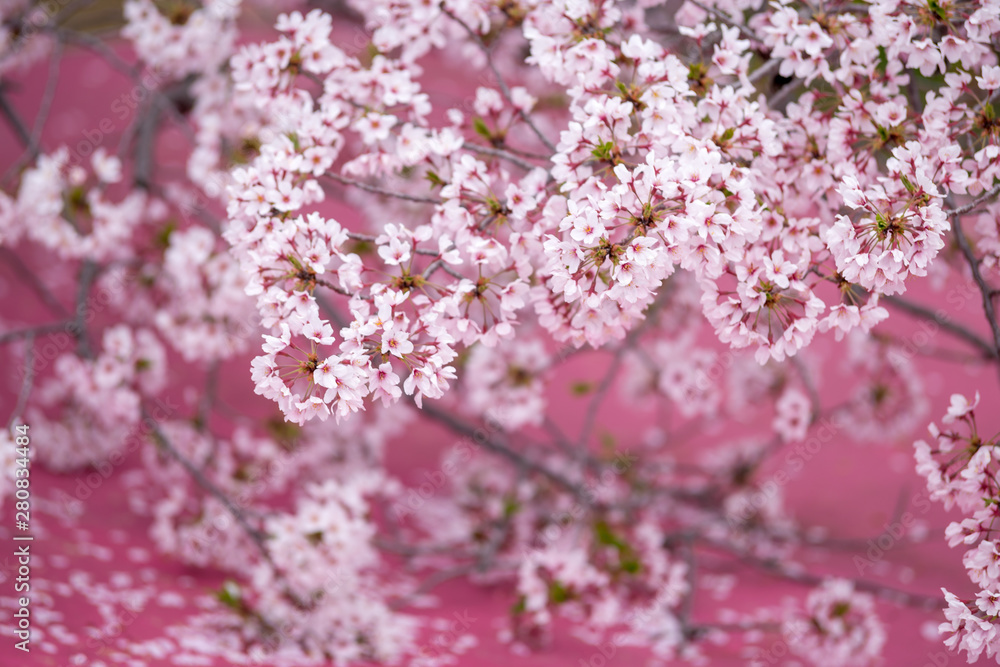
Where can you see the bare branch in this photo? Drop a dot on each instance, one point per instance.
(26, 383)
(782, 570)
(24, 272)
(977, 275)
(712, 11)
(986, 196)
(942, 321)
(343, 180)
(88, 273)
(39, 330)
(199, 477)
(500, 449)
(496, 152)
(15, 121)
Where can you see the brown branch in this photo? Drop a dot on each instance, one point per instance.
(779, 569)
(747, 32)
(986, 196)
(206, 484)
(977, 275)
(496, 152)
(942, 321)
(590, 414)
(343, 180)
(502, 450)
(26, 383)
(88, 273)
(18, 125)
(31, 332)
(22, 271)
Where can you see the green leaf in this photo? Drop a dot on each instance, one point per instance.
(435, 180)
(483, 130)
(558, 593)
(632, 566)
(604, 535)
(230, 595)
(163, 236)
(603, 151)
(937, 9)
(510, 507)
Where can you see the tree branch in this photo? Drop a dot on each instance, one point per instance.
(970, 257)
(199, 477)
(957, 330)
(492, 445)
(343, 180)
(986, 196)
(504, 90)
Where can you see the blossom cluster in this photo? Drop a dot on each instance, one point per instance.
(960, 466)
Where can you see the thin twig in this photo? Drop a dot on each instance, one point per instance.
(942, 321)
(504, 90)
(15, 121)
(590, 414)
(687, 604)
(199, 477)
(336, 288)
(343, 180)
(208, 398)
(22, 271)
(47, 96)
(977, 275)
(807, 380)
(986, 196)
(801, 577)
(491, 444)
(747, 32)
(88, 273)
(31, 332)
(26, 383)
(496, 152)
